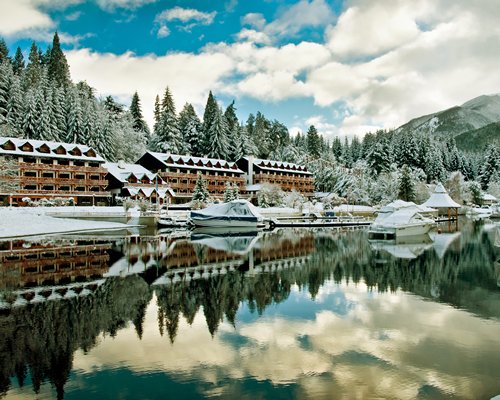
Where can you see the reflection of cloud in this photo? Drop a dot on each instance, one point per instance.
(389, 345)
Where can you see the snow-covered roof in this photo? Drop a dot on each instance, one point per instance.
(488, 197)
(196, 163)
(122, 171)
(441, 199)
(401, 204)
(148, 191)
(47, 149)
(273, 165)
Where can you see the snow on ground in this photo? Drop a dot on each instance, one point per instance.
(16, 222)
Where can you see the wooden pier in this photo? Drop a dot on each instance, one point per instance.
(316, 223)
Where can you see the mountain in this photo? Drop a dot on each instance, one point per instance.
(476, 122)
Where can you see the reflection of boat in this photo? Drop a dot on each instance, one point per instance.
(231, 240)
(476, 213)
(407, 247)
(236, 213)
(401, 218)
(495, 210)
(443, 241)
(166, 221)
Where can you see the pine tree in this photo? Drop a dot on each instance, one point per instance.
(73, 112)
(190, 128)
(475, 191)
(211, 109)
(58, 121)
(261, 135)
(167, 136)
(406, 185)
(228, 193)
(378, 158)
(58, 68)
(18, 62)
(4, 51)
(157, 113)
(218, 146)
(236, 191)
(15, 106)
(313, 142)
(337, 148)
(200, 192)
(30, 115)
(139, 124)
(33, 69)
(490, 166)
(5, 82)
(43, 127)
(433, 165)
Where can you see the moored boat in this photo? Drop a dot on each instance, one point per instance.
(236, 213)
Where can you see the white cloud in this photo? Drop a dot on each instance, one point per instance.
(182, 15)
(111, 5)
(21, 15)
(190, 77)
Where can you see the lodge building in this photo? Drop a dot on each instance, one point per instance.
(181, 173)
(48, 169)
(135, 181)
(287, 176)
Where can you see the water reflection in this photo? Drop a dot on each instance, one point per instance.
(324, 312)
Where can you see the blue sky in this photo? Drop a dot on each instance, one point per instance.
(347, 67)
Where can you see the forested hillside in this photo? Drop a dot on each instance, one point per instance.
(38, 100)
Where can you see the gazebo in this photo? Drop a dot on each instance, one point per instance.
(441, 199)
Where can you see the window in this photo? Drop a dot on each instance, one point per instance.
(94, 165)
(29, 160)
(47, 175)
(48, 187)
(80, 189)
(64, 188)
(80, 176)
(64, 175)
(30, 187)
(46, 161)
(79, 163)
(30, 174)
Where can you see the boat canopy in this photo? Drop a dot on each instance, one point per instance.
(235, 210)
(441, 199)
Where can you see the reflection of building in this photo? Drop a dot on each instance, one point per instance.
(133, 180)
(181, 173)
(43, 264)
(51, 169)
(287, 176)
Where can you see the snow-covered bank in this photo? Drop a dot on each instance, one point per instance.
(17, 222)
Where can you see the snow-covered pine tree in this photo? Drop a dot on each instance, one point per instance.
(236, 191)
(433, 165)
(228, 193)
(43, 128)
(33, 69)
(476, 193)
(5, 78)
(337, 148)
(200, 192)
(9, 171)
(30, 120)
(73, 112)
(491, 165)
(378, 158)
(211, 109)
(139, 124)
(190, 128)
(313, 142)
(218, 145)
(261, 135)
(15, 107)
(167, 137)
(156, 114)
(57, 65)
(18, 62)
(4, 51)
(406, 185)
(58, 120)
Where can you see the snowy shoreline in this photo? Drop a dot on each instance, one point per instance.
(17, 222)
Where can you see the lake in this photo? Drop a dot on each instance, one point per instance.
(293, 313)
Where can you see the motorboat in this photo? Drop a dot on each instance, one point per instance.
(235, 213)
(495, 210)
(404, 247)
(401, 218)
(230, 240)
(166, 221)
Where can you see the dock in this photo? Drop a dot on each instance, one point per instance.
(316, 222)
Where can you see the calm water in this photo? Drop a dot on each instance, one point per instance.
(278, 315)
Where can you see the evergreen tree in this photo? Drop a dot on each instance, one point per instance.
(30, 116)
(190, 128)
(33, 69)
(167, 137)
(406, 185)
(58, 68)
(218, 145)
(18, 62)
(346, 156)
(139, 124)
(356, 149)
(476, 194)
(490, 166)
(250, 125)
(261, 136)
(200, 192)
(73, 111)
(228, 193)
(279, 134)
(15, 107)
(236, 191)
(313, 142)
(433, 165)
(115, 109)
(337, 148)
(157, 113)
(4, 51)
(378, 158)
(5, 82)
(211, 109)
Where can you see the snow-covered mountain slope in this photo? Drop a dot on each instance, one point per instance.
(470, 116)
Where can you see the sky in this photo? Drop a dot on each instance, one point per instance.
(345, 66)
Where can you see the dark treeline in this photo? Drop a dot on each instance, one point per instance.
(38, 100)
(40, 340)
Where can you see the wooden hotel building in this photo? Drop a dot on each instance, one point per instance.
(45, 169)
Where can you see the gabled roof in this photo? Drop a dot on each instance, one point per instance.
(441, 199)
(37, 145)
(281, 166)
(196, 163)
(122, 171)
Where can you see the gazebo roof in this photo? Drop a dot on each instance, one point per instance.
(441, 199)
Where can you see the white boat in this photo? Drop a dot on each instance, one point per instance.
(236, 213)
(170, 222)
(495, 210)
(401, 218)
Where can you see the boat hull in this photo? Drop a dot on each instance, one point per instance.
(225, 223)
(400, 230)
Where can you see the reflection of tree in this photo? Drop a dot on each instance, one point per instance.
(41, 338)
